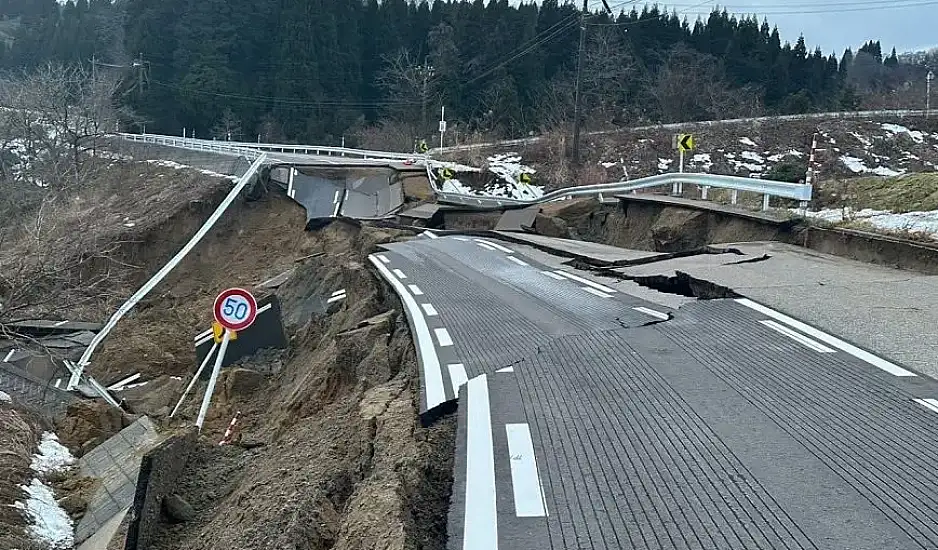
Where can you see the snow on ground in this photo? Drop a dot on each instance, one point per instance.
(857, 166)
(607, 164)
(912, 222)
(48, 522)
(753, 156)
(664, 164)
(702, 161)
(5, 397)
(454, 166)
(917, 137)
(456, 186)
(748, 142)
(177, 166)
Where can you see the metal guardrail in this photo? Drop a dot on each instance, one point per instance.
(767, 188)
(676, 126)
(222, 148)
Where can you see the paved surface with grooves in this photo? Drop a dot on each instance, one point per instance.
(595, 419)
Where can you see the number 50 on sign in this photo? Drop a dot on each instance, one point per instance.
(235, 309)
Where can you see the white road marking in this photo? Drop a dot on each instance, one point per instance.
(400, 274)
(7, 358)
(430, 234)
(336, 198)
(429, 361)
(336, 298)
(653, 313)
(60, 323)
(429, 310)
(553, 275)
(485, 246)
(860, 354)
(337, 292)
(442, 336)
(463, 239)
(480, 529)
(517, 261)
(798, 337)
(930, 403)
(587, 282)
(58, 382)
(346, 195)
(202, 335)
(529, 500)
(496, 246)
(384, 259)
(506, 369)
(335, 211)
(204, 340)
(118, 385)
(292, 193)
(415, 289)
(457, 376)
(264, 308)
(596, 292)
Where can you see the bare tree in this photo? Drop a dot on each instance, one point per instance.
(608, 75)
(228, 128)
(407, 85)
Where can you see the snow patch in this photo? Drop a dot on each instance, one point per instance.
(177, 166)
(917, 137)
(52, 456)
(49, 523)
(913, 222)
(607, 164)
(753, 156)
(865, 142)
(456, 186)
(857, 166)
(664, 164)
(5, 397)
(703, 161)
(748, 142)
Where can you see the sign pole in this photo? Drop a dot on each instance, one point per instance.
(442, 124)
(680, 184)
(214, 379)
(198, 373)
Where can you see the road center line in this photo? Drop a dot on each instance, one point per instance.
(653, 313)
(457, 376)
(517, 261)
(429, 310)
(400, 274)
(596, 292)
(442, 336)
(529, 500)
(480, 529)
(426, 351)
(587, 282)
(860, 354)
(798, 337)
(553, 275)
(930, 403)
(415, 289)
(497, 246)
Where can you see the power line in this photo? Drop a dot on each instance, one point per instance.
(287, 102)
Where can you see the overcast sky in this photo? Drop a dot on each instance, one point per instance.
(831, 24)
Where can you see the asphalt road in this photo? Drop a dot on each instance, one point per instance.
(592, 418)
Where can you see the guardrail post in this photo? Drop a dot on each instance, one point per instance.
(703, 192)
(734, 196)
(765, 201)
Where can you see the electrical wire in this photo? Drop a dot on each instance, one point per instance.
(288, 102)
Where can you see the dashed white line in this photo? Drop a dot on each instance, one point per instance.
(415, 289)
(798, 337)
(860, 354)
(384, 259)
(506, 369)
(553, 275)
(587, 282)
(442, 336)
(525, 482)
(429, 360)
(400, 274)
(517, 261)
(486, 246)
(596, 292)
(653, 313)
(429, 310)
(496, 246)
(480, 529)
(457, 376)
(930, 403)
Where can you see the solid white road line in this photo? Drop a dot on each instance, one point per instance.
(337, 292)
(506, 369)
(930, 403)
(336, 198)
(400, 274)
(442, 336)
(203, 340)
(798, 337)
(529, 500)
(860, 354)
(430, 234)
(517, 261)
(429, 310)
(457, 376)
(335, 211)
(336, 298)
(587, 282)
(480, 529)
(463, 239)
(384, 259)
(264, 308)
(553, 275)
(485, 246)
(124, 382)
(202, 335)
(429, 361)
(496, 246)
(596, 292)
(60, 323)
(7, 358)
(653, 313)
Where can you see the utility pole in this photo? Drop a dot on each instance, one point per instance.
(576, 93)
(928, 79)
(426, 70)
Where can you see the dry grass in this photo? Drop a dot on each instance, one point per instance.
(908, 193)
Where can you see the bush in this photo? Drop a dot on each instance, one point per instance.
(790, 171)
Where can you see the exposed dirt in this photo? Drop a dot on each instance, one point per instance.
(19, 435)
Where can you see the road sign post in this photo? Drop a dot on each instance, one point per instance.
(683, 142)
(235, 309)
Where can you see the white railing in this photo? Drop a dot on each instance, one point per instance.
(678, 126)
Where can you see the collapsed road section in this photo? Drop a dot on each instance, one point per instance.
(724, 425)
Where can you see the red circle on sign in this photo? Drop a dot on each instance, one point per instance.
(235, 309)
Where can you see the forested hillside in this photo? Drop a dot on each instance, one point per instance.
(320, 70)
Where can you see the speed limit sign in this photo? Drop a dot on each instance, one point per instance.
(235, 309)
